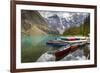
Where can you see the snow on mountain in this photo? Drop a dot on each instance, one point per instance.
(59, 20)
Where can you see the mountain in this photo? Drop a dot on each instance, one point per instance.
(83, 29)
(60, 22)
(55, 23)
(32, 23)
(49, 22)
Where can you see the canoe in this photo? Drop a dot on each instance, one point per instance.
(71, 39)
(56, 43)
(68, 50)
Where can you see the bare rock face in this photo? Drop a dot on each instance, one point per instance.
(31, 19)
(25, 26)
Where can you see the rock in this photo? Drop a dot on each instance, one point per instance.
(46, 57)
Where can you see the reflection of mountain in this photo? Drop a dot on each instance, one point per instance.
(37, 30)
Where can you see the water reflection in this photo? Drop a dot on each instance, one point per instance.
(33, 47)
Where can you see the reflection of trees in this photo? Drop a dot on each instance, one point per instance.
(86, 51)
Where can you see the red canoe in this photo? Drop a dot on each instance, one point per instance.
(66, 51)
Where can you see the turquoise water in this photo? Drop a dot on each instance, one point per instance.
(32, 47)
